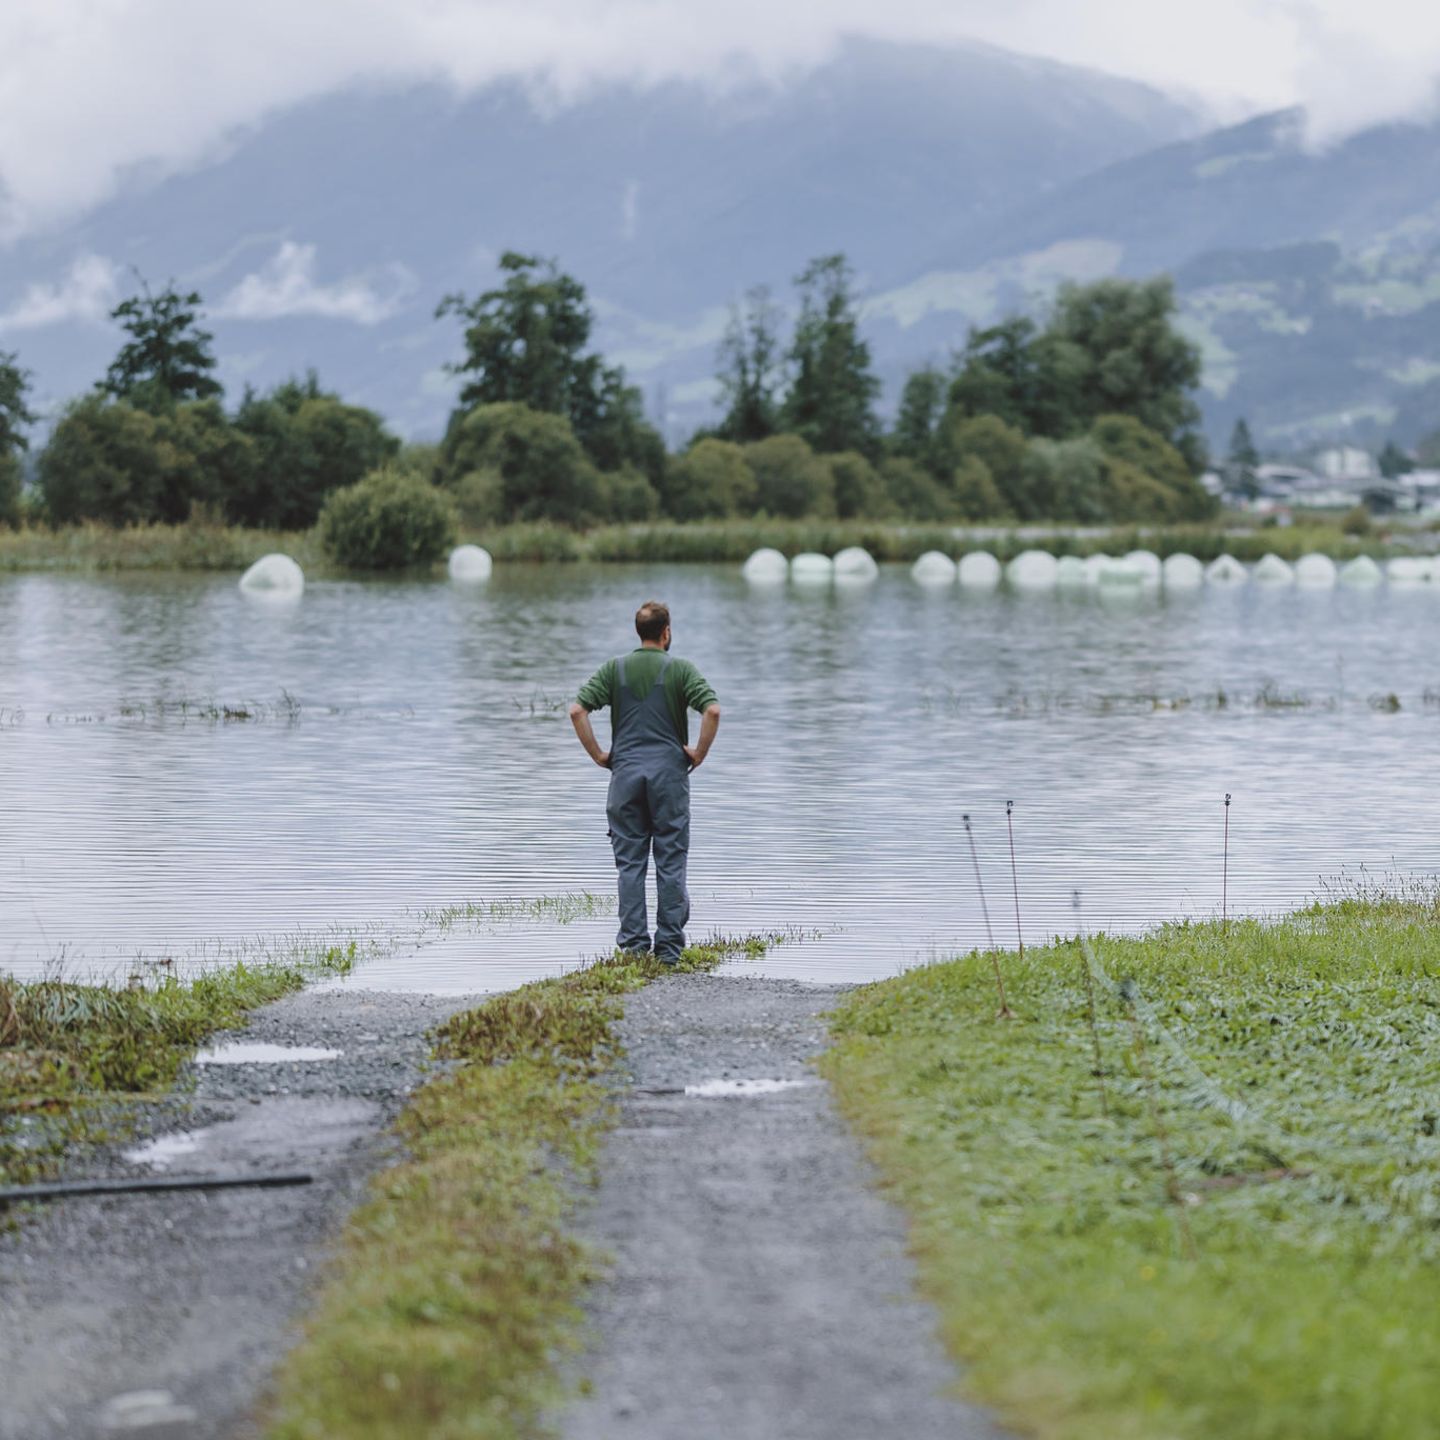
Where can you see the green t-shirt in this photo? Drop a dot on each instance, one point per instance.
(685, 687)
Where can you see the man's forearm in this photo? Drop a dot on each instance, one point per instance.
(709, 725)
(580, 719)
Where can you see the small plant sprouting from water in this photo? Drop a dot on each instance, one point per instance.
(563, 909)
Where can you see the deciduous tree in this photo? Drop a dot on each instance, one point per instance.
(167, 358)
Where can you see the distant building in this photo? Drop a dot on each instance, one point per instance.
(1347, 463)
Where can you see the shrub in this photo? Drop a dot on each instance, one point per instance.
(480, 498)
(1132, 495)
(987, 438)
(1123, 437)
(308, 443)
(1062, 480)
(544, 472)
(10, 475)
(974, 492)
(915, 492)
(1357, 521)
(790, 479)
(859, 491)
(627, 495)
(106, 461)
(711, 480)
(391, 520)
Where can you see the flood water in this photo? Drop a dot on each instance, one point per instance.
(395, 746)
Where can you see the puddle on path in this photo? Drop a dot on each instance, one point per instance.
(161, 1151)
(742, 1089)
(243, 1053)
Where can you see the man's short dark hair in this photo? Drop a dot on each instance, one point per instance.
(651, 620)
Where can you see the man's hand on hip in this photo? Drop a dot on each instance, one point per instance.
(693, 755)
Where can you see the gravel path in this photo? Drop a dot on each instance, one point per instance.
(164, 1315)
(761, 1287)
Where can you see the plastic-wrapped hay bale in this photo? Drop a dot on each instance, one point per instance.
(1071, 572)
(274, 576)
(1226, 570)
(1094, 564)
(1361, 571)
(1315, 572)
(1115, 576)
(979, 570)
(766, 567)
(855, 566)
(1032, 570)
(812, 569)
(1408, 570)
(469, 564)
(1182, 572)
(1272, 570)
(933, 568)
(1147, 562)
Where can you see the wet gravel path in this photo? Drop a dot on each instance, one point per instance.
(165, 1314)
(761, 1286)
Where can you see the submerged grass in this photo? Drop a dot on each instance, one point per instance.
(1266, 1103)
(69, 1050)
(211, 547)
(456, 1289)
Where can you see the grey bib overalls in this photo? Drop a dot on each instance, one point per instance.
(648, 804)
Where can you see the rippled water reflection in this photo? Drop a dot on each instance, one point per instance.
(396, 746)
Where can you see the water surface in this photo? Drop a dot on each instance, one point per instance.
(180, 767)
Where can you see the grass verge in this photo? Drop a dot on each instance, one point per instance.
(456, 1288)
(1228, 1226)
(70, 1051)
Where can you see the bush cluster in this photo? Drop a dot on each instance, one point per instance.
(393, 519)
(271, 465)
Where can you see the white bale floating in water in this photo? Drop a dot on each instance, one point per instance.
(1147, 562)
(812, 569)
(979, 570)
(933, 568)
(1070, 571)
(1362, 570)
(1032, 570)
(1124, 574)
(1094, 564)
(273, 575)
(469, 564)
(855, 565)
(766, 567)
(1315, 572)
(1272, 570)
(1408, 570)
(1182, 572)
(1226, 570)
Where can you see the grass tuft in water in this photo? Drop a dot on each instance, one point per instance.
(456, 1291)
(1239, 1235)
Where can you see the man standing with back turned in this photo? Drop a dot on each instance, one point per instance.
(649, 760)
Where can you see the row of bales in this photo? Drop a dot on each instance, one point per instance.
(278, 577)
(1136, 571)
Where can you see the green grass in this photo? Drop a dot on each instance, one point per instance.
(1239, 1237)
(204, 547)
(455, 1293)
(68, 1051)
(96, 548)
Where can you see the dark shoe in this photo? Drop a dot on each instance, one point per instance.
(668, 961)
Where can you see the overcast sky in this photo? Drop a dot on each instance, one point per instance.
(91, 89)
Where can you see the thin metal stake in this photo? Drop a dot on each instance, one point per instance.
(1014, 873)
(1005, 1013)
(1090, 1006)
(1225, 874)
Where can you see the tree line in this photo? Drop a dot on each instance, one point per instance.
(1087, 417)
